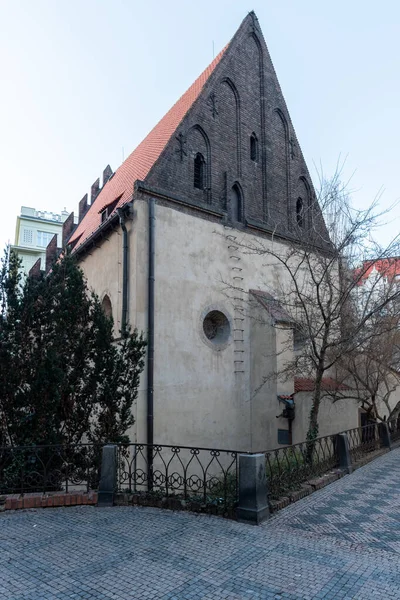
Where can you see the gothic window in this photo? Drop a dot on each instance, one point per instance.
(236, 204)
(300, 212)
(253, 147)
(106, 306)
(199, 171)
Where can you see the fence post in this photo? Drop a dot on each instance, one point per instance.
(384, 435)
(108, 476)
(343, 452)
(253, 493)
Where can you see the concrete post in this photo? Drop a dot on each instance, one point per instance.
(253, 493)
(108, 477)
(343, 452)
(384, 435)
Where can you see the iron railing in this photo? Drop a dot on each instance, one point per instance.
(394, 429)
(289, 467)
(55, 468)
(208, 476)
(363, 440)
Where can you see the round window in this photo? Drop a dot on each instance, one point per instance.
(216, 327)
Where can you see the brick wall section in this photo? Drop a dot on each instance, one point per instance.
(68, 228)
(35, 270)
(94, 191)
(242, 96)
(83, 207)
(39, 500)
(51, 252)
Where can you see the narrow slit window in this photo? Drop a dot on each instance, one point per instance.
(199, 165)
(253, 147)
(300, 212)
(236, 205)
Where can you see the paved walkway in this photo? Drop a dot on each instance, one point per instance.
(341, 542)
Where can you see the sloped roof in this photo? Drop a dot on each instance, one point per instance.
(305, 384)
(141, 160)
(273, 306)
(386, 267)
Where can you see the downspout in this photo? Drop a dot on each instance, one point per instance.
(122, 218)
(150, 345)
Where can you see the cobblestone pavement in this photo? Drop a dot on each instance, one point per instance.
(341, 542)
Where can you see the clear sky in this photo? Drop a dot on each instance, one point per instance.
(83, 81)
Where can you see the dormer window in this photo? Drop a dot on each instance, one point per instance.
(300, 212)
(253, 147)
(199, 165)
(104, 215)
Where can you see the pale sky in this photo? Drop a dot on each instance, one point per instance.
(82, 82)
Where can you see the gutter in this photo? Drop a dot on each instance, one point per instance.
(150, 343)
(122, 218)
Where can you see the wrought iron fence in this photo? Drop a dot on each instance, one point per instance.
(363, 440)
(394, 429)
(208, 476)
(66, 468)
(289, 467)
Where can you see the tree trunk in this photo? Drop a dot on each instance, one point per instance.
(312, 432)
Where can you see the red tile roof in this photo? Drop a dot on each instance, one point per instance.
(387, 267)
(304, 384)
(139, 163)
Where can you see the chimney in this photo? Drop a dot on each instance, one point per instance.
(94, 191)
(34, 272)
(83, 207)
(68, 227)
(107, 174)
(51, 252)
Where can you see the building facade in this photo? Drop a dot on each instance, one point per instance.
(161, 245)
(34, 230)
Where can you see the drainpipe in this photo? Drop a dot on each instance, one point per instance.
(150, 345)
(122, 218)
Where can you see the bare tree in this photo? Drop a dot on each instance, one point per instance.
(324, 259)
(371, 373)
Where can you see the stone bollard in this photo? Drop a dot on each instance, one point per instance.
(384, 435)
(253, 493)
(343, 452)
(108, 477)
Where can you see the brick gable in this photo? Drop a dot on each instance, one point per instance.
(237, 98)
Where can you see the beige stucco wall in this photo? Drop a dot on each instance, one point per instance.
(334, 417)
(203, 396)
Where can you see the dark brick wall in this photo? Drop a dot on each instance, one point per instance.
(51, 252)
(68, 228)
(242, 96)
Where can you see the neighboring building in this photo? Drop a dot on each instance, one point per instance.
(374, 276)
(34, 231)
(159, 239)
(377, 279)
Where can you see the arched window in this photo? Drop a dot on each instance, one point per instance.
(300, 212)
(106, 306)
(199, 171)
(253, 147)
(236, 204)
